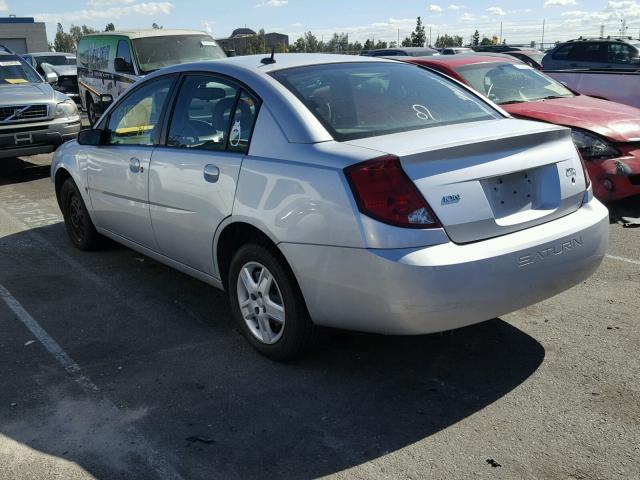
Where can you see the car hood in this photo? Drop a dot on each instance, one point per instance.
(61, 70)
(26, 93)
(615, 121)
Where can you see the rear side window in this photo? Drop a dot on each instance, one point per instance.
(622, 53)
(589, 52)
(562, 53)
(204, 116)
(358, 100)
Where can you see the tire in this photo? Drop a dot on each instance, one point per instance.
(77, 221)
(91, 111)
(262, 300)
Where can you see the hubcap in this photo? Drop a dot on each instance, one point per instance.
(76, 216)
(261, 302)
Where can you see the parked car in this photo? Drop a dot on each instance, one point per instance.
(455, 50)
(594, 53)
(351, 192)
(403, 52)
(34, 118)
(528, 55)
(615, 85)
(606, 133)
(109, 62)
(63, 65)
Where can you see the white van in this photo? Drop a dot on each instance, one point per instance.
(109, 62)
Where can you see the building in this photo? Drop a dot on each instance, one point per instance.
(245, 41)
(23, 34)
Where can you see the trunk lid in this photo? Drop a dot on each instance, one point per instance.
(490, 178)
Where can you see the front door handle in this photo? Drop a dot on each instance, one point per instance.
(134, 165)
(211, 173)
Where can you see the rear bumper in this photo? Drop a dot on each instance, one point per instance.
(33, 138)
(424, 290)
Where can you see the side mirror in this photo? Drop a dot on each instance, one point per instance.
(92, 136)
(51, 77)
(122, 66)
(105, 101)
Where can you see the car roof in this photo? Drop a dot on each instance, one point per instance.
(404, 49)
(630, 41)
(454, 61)
(149, 32)
(51, 54)
(282, 61)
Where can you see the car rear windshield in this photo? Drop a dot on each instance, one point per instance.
(358, 100)
(154, 53)
(14, 70)
(56, 60)
(512, 82)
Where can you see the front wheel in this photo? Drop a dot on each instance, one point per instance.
(92, 116)
(267, 303)
(77, 221)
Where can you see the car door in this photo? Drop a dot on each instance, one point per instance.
(118, 169)
(193, 177)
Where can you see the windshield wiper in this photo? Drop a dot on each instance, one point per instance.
(551, 97)
(509, 102)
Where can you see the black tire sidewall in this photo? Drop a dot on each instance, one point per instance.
(297, 327)
(90, 237)
(91, 111)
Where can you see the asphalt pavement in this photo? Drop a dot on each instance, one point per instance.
(114, 366)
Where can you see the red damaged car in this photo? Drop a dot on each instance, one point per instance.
(606, 133)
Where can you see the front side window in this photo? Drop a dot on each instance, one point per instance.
(136, 120)
(154, 53)
(589, 52)
(204, 116)
(511, 82)
(14, 70)
(563, 52)
(124, 52)
(358, 100)
(622, 53)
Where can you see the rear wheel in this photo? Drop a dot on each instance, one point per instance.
(77, 221)
(267, 303)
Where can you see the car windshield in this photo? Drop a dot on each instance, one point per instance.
(154, 53)
(56, 60)
(14, 70)
(511, 82)
(358, 100)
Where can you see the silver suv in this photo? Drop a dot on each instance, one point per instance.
(34, 118)
(598, 53)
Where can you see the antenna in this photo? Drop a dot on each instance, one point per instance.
(269, 60)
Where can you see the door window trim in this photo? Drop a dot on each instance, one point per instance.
(103, 125)
(240, 87)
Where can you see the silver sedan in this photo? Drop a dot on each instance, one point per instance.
(348, 192)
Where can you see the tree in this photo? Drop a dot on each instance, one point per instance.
(156, 26)
(110, 27)
(380, 44)
(447, 40)
(485, 41)
(63, 42)
(369, 45)
(475, 39)
(418, 36)
(406, 42)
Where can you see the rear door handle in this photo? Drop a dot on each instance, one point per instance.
(134, 165)
(211, 173)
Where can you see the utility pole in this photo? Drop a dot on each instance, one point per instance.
(500, 41)
(430, 44)
(602, 31)
(542, 42)
(398, 44)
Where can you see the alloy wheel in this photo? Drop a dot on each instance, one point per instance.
(261, 302)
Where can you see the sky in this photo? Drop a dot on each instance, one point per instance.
(361, 19)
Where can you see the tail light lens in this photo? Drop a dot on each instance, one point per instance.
(587, 179)
(384, 192)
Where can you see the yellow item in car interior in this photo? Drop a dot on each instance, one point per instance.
(138, 130)
(15, 80)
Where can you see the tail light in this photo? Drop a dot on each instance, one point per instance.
(384, 192)
(587, 179)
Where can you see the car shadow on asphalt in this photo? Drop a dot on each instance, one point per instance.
(18, 170)
(214, 407)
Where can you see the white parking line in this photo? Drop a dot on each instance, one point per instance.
(623, 259)
(154, 458)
